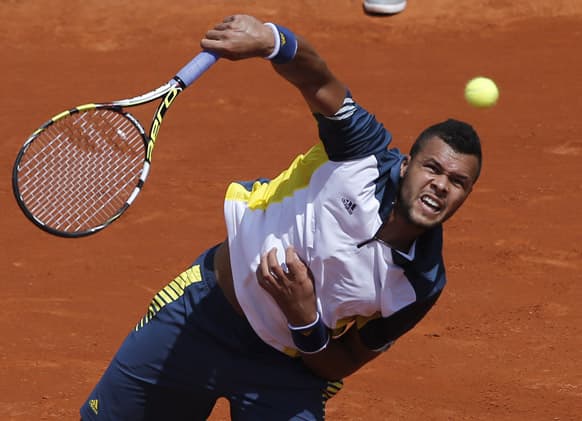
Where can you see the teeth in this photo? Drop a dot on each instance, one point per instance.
(430, 202)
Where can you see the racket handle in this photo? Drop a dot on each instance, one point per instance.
(198, 65)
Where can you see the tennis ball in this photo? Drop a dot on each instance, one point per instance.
(481, 92)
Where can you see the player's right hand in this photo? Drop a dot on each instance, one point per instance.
(238, 37)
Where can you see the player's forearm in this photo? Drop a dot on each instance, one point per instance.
(334, 363)
(322, 91)
(341, 358)
(241, 36)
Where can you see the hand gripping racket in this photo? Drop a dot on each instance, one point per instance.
(84, 167)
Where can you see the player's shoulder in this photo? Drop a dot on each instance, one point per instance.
(352, 132)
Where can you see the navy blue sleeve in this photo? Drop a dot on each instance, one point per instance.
(352, 132)
(427, 275)
(378, 333)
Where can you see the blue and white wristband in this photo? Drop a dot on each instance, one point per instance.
(311, 338)
(285, 44)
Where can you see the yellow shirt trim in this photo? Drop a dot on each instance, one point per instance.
(294, 178)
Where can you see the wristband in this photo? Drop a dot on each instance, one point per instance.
(285, 44)
(311, 338)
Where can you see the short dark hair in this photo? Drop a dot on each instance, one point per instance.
(460, 136)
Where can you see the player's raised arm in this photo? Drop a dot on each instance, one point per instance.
(242, 36)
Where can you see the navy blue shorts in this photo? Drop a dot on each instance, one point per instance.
(192, 348)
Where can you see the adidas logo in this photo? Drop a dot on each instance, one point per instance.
(94, 404)
(349, 205)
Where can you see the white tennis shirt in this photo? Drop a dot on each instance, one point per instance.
(328, 202)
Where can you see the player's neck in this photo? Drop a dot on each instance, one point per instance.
(398, 232)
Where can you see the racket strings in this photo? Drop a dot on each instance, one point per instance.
(81, 170)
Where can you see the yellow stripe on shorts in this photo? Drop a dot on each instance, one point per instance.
(170, 293)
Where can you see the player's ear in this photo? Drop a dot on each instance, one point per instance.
(404, 165)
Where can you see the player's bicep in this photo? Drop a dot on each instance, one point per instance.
(360, 352)
(325, 99)
(379, 334)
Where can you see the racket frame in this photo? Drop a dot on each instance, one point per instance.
(168, 92)
(65, 114)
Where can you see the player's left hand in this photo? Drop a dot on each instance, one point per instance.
(292, 290)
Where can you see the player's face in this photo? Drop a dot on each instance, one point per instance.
(435, 183)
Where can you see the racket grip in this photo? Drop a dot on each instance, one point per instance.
(198, 65)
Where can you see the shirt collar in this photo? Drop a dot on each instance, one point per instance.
(410, 254)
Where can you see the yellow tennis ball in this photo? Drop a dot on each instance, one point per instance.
(481, 92)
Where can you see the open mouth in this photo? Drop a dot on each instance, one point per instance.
(432, 204)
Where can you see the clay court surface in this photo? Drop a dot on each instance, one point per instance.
(504, 341)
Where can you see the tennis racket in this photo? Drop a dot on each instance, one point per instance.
(84, 167)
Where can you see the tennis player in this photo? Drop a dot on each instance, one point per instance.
(324, 268)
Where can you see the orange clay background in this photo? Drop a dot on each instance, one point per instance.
(504, 341)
